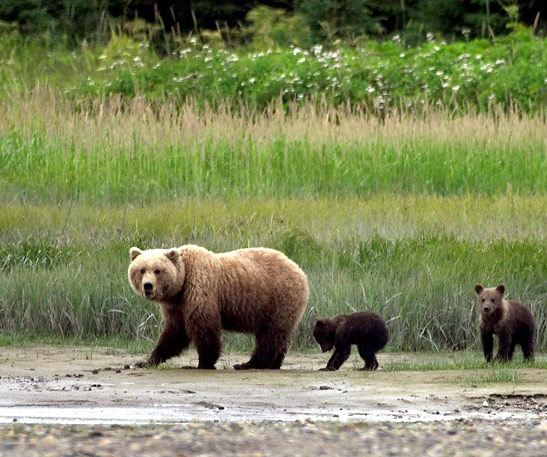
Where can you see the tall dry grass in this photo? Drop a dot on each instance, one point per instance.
(117, 151)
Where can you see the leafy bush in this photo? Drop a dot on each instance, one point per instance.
(378, 76)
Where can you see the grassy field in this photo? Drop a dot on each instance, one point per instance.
(401, 214)
(414, 259)
(51, 151)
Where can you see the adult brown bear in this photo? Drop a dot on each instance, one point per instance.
(255, 290)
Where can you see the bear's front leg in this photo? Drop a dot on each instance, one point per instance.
(171, 343)
(208, 346)
(487, 340)
(504, 346)
(173, 340)
(204, 330)
(341, 354)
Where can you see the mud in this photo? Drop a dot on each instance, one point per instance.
(75, 385)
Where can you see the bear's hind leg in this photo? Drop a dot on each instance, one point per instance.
(528, 345)
(512, 349)
(371, 362)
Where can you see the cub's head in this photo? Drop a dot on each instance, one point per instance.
(324, 332)
(489, 299)
(156, 274)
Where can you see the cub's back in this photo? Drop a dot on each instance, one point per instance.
(518, 315)
(367, 324)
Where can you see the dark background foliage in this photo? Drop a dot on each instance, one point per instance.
(327, 19)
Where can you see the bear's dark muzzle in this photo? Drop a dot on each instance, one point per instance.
(148, 288)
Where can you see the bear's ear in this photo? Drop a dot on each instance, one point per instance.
(501, 289)
(479, 288)
(134, 253)
(173, 254)
(319, 323)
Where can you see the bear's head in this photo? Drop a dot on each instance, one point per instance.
(489, 299)
(156, 274)
(324, 332)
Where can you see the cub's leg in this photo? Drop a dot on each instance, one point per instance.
(487, 339)
(371, 362)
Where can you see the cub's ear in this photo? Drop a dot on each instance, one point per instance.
(173, 254)
(319, 323)
(479, 288)
(134, 253)
(501, 289)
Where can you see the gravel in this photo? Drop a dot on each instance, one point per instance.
(454, 438)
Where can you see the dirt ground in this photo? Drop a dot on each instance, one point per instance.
(70, 396)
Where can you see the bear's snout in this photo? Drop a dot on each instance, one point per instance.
(486, 309)
(148, 288)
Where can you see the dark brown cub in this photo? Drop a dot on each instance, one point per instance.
(509, 320)
(366, 329)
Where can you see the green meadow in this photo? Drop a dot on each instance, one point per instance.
(400, 213)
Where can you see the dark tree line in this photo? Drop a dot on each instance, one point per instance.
(326, 19)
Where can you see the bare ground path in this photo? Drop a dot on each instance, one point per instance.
(294, 411)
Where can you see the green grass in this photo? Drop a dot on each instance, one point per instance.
(399, 214)
(415, 260)
(463, 360)
(136, 153)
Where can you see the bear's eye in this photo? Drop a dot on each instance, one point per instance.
(157, 272)
(482, 300)
(142, 271)
(492, 300)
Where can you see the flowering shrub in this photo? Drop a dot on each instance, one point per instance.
(379, 76)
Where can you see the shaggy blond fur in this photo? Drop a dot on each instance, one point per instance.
(255, 290)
